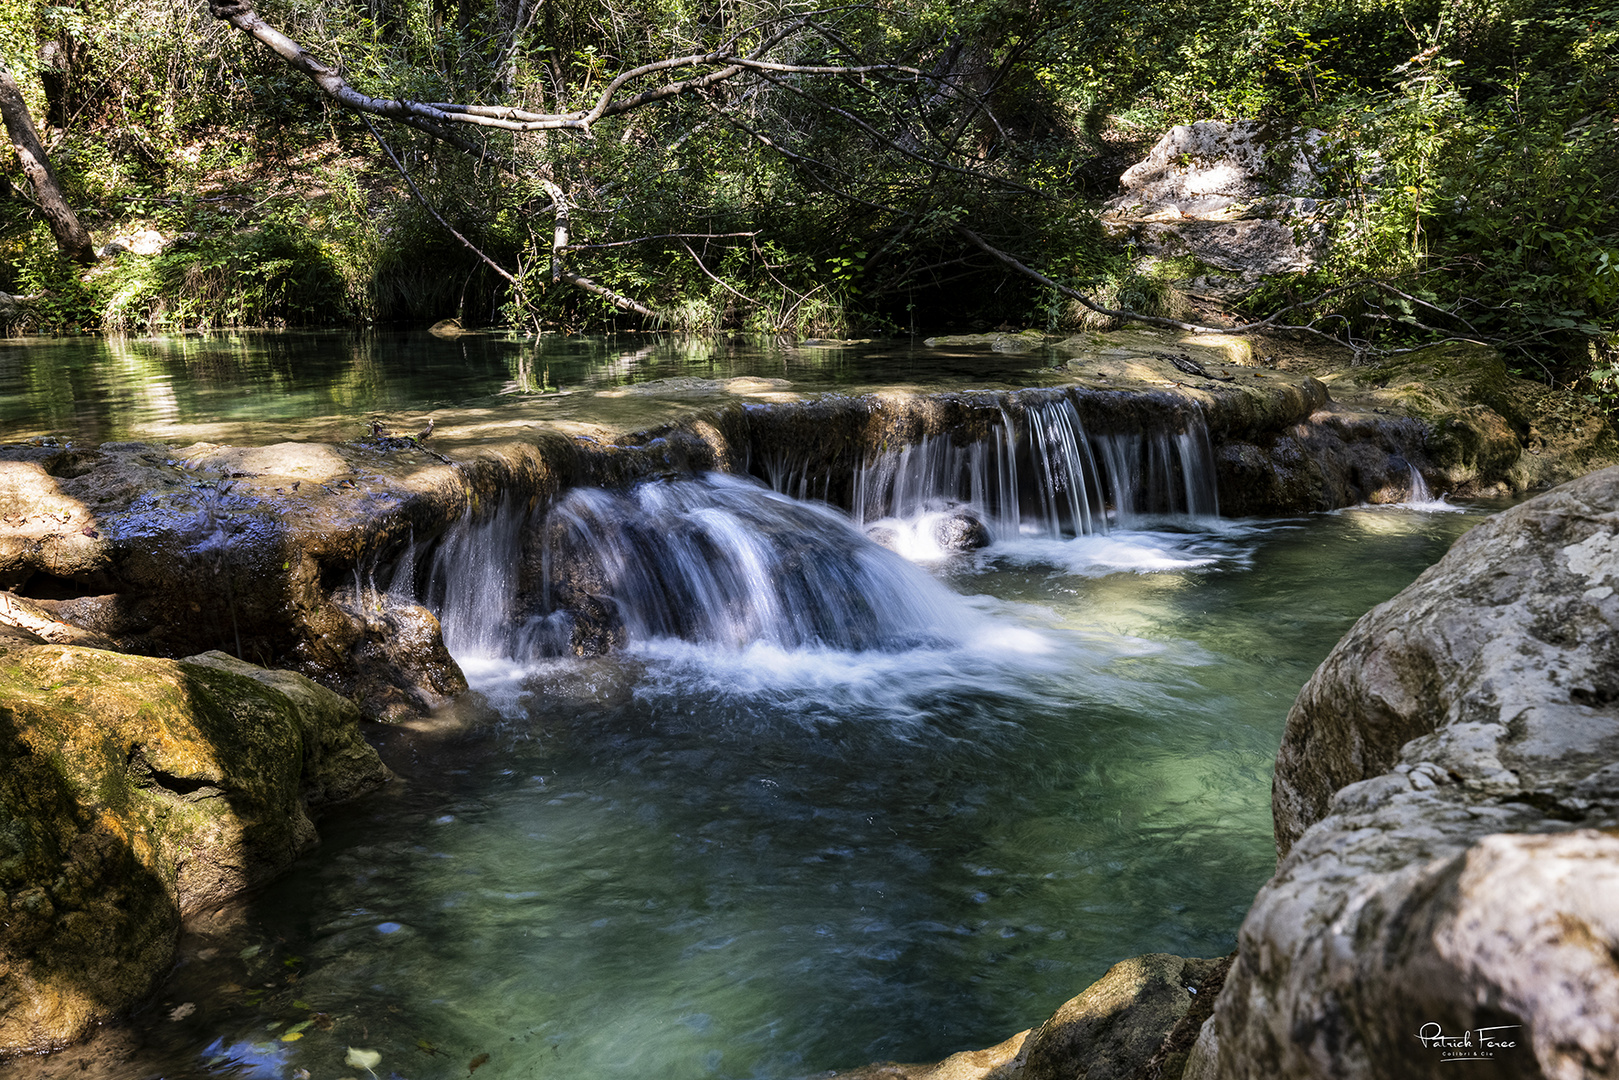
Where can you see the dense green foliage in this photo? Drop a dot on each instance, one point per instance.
(1476, 162)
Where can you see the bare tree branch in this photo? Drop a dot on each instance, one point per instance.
(416, 191)
(1269, 323)
(438, 119)
(240, 14)
(71, 237)
(714, 279)
(893, 144)
(559, 250)
(663, 236)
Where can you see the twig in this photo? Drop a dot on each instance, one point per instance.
(1268, 323)
(893, 144)
(716, 280)
(559, 249)
(493, 265)
(662, 236)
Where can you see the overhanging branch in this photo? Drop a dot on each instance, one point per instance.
(559, 253)
(444, 115)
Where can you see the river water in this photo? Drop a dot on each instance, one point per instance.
(778, 839)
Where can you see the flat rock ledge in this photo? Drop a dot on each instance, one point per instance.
(135, 791)
(1447, 811)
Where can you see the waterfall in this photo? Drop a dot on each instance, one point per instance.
(474, 579)
(717, 560)
(1045, 476)
(1161, 473)
(1419, 489)
(727, 562)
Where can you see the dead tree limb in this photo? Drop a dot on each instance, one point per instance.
(441, 119)
(71, 238)
(1270, 322)
(559, 255)
(431, 209)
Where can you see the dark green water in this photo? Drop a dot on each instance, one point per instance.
(695, 861)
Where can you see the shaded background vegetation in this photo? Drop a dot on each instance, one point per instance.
(1475, 158)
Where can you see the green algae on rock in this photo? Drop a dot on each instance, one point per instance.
(1488, 430)
(135, 790)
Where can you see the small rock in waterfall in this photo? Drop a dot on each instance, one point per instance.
(960, 532)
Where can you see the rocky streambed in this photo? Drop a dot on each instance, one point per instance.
(280, 556)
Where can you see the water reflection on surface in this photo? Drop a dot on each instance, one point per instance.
(260, 387)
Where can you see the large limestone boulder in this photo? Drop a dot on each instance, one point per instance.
(1447, 811)
(1243, 199)
(134, 790)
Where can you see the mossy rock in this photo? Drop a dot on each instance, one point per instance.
(1487, 427)
(1135, 1022)
(1021, 342)
(134, 790)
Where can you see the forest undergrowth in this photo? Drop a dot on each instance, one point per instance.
(1473, 166)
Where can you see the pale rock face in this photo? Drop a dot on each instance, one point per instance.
(1203, 168)
(1241, 197)
(1447, 810)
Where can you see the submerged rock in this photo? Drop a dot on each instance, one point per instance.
(1447, 810)
(1120, 1028)
(998, 341)
(134, 790)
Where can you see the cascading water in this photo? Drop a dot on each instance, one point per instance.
(720, 560)
(1042, 477)
(715, 560)
(1419, 488)
(1161, 473)
(1422, 498)
(473, 582)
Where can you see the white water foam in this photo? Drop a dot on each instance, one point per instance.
(1422, 499)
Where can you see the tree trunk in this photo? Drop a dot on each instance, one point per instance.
(71, 238)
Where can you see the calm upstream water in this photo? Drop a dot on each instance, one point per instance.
(778, 839)
(263, 387)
